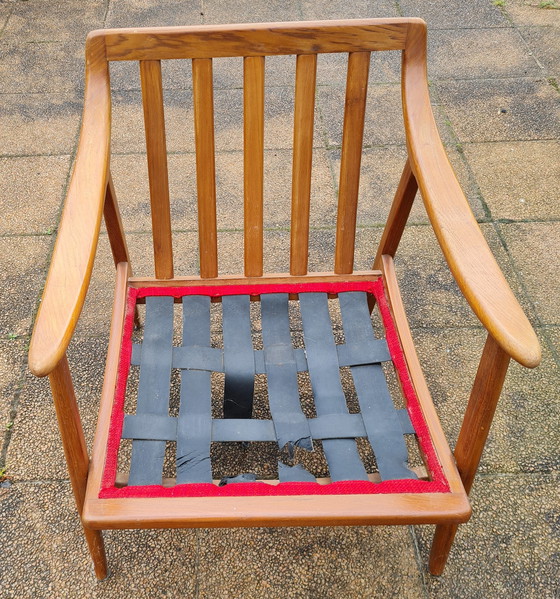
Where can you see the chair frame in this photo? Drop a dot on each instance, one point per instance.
(91, 195)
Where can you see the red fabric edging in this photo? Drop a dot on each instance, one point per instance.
(438, 484)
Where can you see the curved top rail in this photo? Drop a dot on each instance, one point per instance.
(215, 41)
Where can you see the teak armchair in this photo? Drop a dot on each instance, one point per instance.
(246, 326)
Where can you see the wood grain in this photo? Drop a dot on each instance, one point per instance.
(253, 163)
(154, 122)
(203, 98)
(304, 110)
(351, 160)
(213, 41)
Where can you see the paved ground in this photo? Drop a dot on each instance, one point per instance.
(494, 71)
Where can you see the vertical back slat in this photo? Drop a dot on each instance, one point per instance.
(205, 165)
(253, 149)
(352, 138)
(152, 99)
(306, 70)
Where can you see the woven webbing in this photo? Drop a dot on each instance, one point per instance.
(151, 426)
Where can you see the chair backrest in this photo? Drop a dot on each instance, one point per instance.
(254, 43)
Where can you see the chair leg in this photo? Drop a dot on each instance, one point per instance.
(75, 451)
(472, 438)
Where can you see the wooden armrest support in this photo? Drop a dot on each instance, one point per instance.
(464, 247)
(76, 242)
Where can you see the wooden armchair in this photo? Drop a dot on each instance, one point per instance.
(243, 325)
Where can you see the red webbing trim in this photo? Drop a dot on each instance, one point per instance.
(438, 484)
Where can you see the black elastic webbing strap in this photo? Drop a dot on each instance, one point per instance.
(297, 473)
(281, 371)
(212, 358)
(146, 464)
(330, 426)
(322, 359)
(194, 425)
(383, 426)
(239, 361)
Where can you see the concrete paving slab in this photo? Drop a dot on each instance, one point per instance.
(30, 22)
(130, 176)
(4, 14)
(42, 67)
(380, 175)
(45, 554)
(128, 124)
(385, 67)
(510, 546)
(360, 9)
(141, 13)
(12, 356)
(431, 296)
(127, 132)
(471, 54)
(39, 123)
(239, 11)
(175, 74)
(38, 195)
(383, 120)
(23, 262)
(441, 14)
(384, 124)
(308, 562)
(534, 248)
(543, 42)
(552, 339)
(35, 451)
(530, 12)
(131, 184)
(518, 180)
(476, 109)
(523, 436)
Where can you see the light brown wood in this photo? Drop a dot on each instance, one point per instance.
(302, 510)
(109, 381)
(398, 215)
(472, 437)
(437, 435)
(78, 233)
(154, 122)
(203, 97)
(272, 278)
(115, 232)
(253, 163)
(213, 41)
(74, 445)
(351, 160)
(113, 222)
(304, 109)
(464, 247)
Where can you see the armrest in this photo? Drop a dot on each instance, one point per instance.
(76, 243)
(469, 258)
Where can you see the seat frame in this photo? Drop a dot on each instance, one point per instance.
(91, 195)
